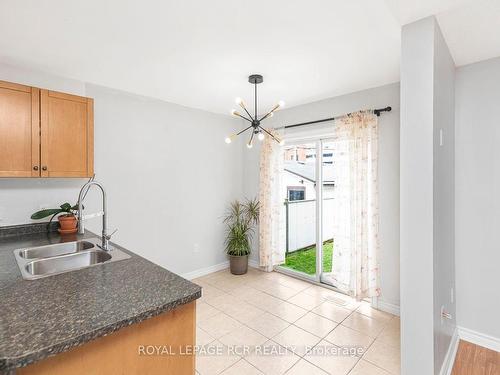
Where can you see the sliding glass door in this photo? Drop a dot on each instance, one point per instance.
(308, 193)
(300, 212)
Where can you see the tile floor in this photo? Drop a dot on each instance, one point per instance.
(270, 323)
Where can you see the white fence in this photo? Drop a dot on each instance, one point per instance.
(301, 222)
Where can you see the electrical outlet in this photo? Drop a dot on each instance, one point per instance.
(196, 248)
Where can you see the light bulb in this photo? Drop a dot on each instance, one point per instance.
(228, 140)
(271, 115)
(261, 136)
(234, 112)
(282, 142)
(281, 103)
(249, 144)
(238, 101)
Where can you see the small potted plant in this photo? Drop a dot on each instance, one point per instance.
(67, 221)
(241, 220)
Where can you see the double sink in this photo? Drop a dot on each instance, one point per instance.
(43, 261)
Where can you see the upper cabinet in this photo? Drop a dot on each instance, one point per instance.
(45, 133)
(19, 130)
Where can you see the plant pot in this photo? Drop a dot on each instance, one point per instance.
(67, 223)
(238, 264)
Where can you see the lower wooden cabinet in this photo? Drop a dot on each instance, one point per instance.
(122, 352)
(45, 133)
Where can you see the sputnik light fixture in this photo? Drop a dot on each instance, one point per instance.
(256, 128)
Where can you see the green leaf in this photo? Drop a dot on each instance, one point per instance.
(44, 213)
(66, 207)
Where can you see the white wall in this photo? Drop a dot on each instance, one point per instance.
(166, 169)
(388, 166)
(444, 197)
(417, 85)
(169, 176)
(477, 197)
(427, 196)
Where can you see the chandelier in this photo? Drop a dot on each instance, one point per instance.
(255, 123)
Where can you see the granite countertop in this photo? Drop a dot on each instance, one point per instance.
(40, 318)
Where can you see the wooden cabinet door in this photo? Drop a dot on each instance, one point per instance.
(19, 131)
(67, 135)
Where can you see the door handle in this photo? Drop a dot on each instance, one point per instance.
(44, 168)
(35, 168)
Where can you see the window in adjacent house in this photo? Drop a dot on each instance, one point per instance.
(296, 193)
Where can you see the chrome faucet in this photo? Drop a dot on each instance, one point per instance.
(81, 228)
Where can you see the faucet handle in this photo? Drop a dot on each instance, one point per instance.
(108, 237)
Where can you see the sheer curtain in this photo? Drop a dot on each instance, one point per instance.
(272, 220)
(355, 235)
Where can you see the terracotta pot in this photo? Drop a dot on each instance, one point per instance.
(238, 264)
(68, 223)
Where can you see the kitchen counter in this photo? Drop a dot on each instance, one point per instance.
(40, 318)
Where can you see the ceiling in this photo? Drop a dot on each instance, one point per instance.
(199, 53)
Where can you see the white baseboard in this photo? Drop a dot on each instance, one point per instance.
(205, 271)
(388, 307)
(216, 267)
(449, 359)
(480, 339)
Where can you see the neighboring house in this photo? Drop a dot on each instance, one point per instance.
(299, 180)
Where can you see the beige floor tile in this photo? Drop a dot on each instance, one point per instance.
(243, 311)
(222, 301)
(202, 337)
(298, 285)
(325, 357)
(204, 311)
(303, 367)
(273, 359)
(287, 311)
(210, 292)
(215, 364)
(262, 284)
(242, 367)
(325, 293)
(364, 324)
(391, 334)
(385, 356)
(244, 292)
(263, 301)
(347, 337)
(268, 324)
(369, 311)
(316, 324)
(281, 291)
(296, 339)
(219, 325)
(306, 301)
(332, 311)
(243, 336)
(366, 368)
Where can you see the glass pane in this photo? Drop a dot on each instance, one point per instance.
(299, 198)
(327, 210)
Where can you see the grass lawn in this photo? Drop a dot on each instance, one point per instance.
(304, 260)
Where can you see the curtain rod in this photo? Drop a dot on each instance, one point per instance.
(376, 111)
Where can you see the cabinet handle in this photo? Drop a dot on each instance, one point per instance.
(35, 168)
(44, 168)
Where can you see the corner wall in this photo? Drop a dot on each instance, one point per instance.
(427, 195)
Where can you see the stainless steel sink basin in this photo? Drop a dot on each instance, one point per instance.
(49, 260)
(56, 249)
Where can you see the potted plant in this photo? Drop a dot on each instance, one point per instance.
(241, 220)
(67, 221)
